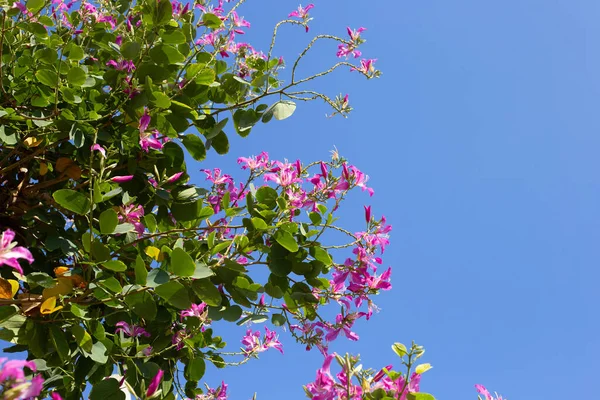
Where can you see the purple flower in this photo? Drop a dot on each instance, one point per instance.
(284, 175)
(323, 386)
(12, 378)
(154, 383)
(271, 340)
(239, 22)
(366, 66)
(55, 396)
(131, 330)
(122, 65)
(10, 252)
(196, 310)
(302, 13)
(251, 342)
(121, 178)
(99, 148)
(150, 141)
(144, 121)
(174, 177)
(147, 351)
(368, 214)
(178, 339)
(220, 393)
(259, 162)
(132, 214)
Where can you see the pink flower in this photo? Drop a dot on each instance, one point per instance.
(343, 323)
(150, 141)
(132, 214)
(251, 342)
(302, 12)
(366, 66)
(368, 214)
(271, 340)
(220, 393)
(13, 369)
(380, 282)
(259, 162)
(147, 351)
(323, 386)
(131, 330)
(154, 383)
(382, 373)
(178, 339)
(174, 177)
(10, 252)
(121, 178)
(144, 121)
(196, 310)
(122, 65)
(56, 396)
(12, 377)
(99, 148)
(284, 175)
(239, 22)
(483, 391)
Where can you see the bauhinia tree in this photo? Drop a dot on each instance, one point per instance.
(113, 264)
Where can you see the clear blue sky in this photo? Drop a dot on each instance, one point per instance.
(481, 140)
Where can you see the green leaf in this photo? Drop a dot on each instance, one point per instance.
(321, 255)
(107, 389)
(130, 50)
(315, 218)
(281, 110)
(165, 54)
(259, 224)
(164, 12)
(150, 222)
(108, 221)
(76, 76)
(202, 271)
(60, 343)
(190, 211)
(141, 273)
(115, 265)
(268, 196)
(161, 100)
(419, 396)
(286, 240)
(84, 340)
(220, 143)
(100, 252)
(35, 5)
(124, 228)
(195, 369)
(75, 52)
(46, 55)
(194, 146)
(98, 353)
(278, 320)
(175, 294)
(232, 313)
(157, 277)
(41, 279)
(211, 21)
(182, 263)
(399, 349)
(47, 77)
(143, 304)
(72, 200)
(174, 37)
(201, 74)
(111, 284)
(207, 292)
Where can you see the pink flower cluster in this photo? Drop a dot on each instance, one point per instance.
(132, 214)
(486, 394)
(253, 343)
(10, 252)
(222, 183)
(219, 393)
(13, 382)
(326, 387)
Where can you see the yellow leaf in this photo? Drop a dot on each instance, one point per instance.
(49, 306)
(58, 271)
(422, 368)
(43, 169)
(63, 287)
(14, 285)
(33, 142)
(155, 253)
(5, 289)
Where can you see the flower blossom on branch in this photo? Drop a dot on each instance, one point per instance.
(10, 252)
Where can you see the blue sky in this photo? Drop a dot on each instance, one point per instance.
(481, 141)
